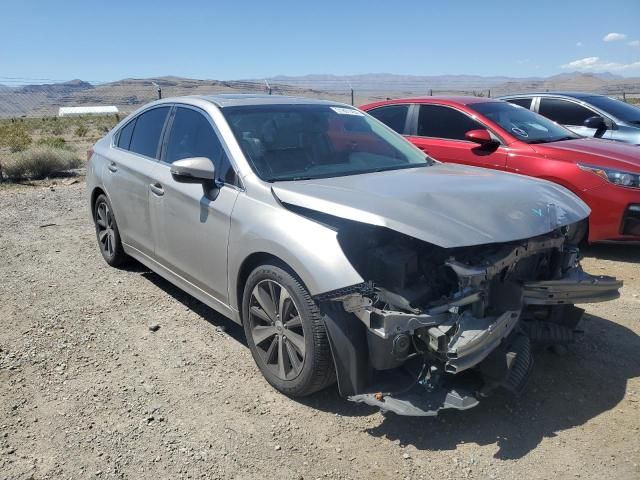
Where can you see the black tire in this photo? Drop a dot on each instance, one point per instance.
(107, 233)
(317, 370)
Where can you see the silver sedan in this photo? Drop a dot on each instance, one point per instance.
(345, 252)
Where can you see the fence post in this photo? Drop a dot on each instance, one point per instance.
(624, 97)
(159, 90)
(352, 99)
(431, 92)
(488, 93)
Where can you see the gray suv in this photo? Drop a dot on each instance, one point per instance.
(586, 114)
(346, 253)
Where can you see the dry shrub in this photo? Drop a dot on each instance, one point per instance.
(40, 162)
(55, 142)
(15, 136)
(81, 131)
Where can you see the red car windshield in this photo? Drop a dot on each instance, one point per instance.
(523, 124)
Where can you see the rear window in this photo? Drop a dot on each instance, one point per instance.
(146, 134)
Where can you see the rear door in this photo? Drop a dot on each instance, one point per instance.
(128, 174)
(569, 113)
(393, 116)
(440, 132)
(191, 226)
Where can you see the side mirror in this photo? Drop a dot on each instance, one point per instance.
(193, 170)
(481, 136)
(596, 122)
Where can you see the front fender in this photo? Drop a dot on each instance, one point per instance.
(308, 247)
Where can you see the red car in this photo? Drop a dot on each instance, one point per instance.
(503, 136)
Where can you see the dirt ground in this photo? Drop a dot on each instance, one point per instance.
(87, 390)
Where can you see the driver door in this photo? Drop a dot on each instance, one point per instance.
(440, 133)
(190, 227)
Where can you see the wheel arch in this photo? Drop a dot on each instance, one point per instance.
(249, 264)
(96, 192)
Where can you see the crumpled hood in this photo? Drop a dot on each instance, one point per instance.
(444, 204)
(596, 151)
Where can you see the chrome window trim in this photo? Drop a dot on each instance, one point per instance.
(116, 134)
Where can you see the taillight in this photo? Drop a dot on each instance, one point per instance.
(89, 153)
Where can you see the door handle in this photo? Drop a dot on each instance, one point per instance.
(112, 166)
(157, 189)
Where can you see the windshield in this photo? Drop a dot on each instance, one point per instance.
(295, 142)
(620, 110)
(523, 124)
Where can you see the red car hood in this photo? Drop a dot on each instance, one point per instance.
(594, 151)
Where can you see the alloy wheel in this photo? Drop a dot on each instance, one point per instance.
(106, 235)
(276, 329)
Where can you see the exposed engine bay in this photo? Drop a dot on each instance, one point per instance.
(434, 328)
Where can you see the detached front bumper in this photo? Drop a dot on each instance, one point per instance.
(481, 339)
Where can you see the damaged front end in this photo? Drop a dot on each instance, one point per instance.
(435, 328)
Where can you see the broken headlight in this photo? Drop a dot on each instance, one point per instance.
(625, 179)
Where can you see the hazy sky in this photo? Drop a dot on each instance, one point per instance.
(109, 40)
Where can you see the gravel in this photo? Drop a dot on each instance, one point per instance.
(88, 389)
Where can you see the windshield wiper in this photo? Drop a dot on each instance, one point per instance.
(399, 167)
(291, 179)
(551, 140)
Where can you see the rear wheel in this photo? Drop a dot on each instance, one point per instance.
(107, 233)
(285, 332)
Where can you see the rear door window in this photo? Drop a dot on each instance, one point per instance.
(523, 102)
(564, 112)
(147, 131)
(444, 122)
(393, 116)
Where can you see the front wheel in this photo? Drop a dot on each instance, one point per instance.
(285, 332)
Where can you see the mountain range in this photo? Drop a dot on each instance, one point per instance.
(128, 94)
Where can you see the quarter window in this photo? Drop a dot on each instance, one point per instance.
(563, 111)
(193, 136)
(147, 131)
(444, 122)
(124, 137)
(393, 116)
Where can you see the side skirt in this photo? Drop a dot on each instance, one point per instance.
(182, 284)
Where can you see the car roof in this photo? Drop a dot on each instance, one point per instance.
(441, 99)
(244, 99)
(579, 95)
